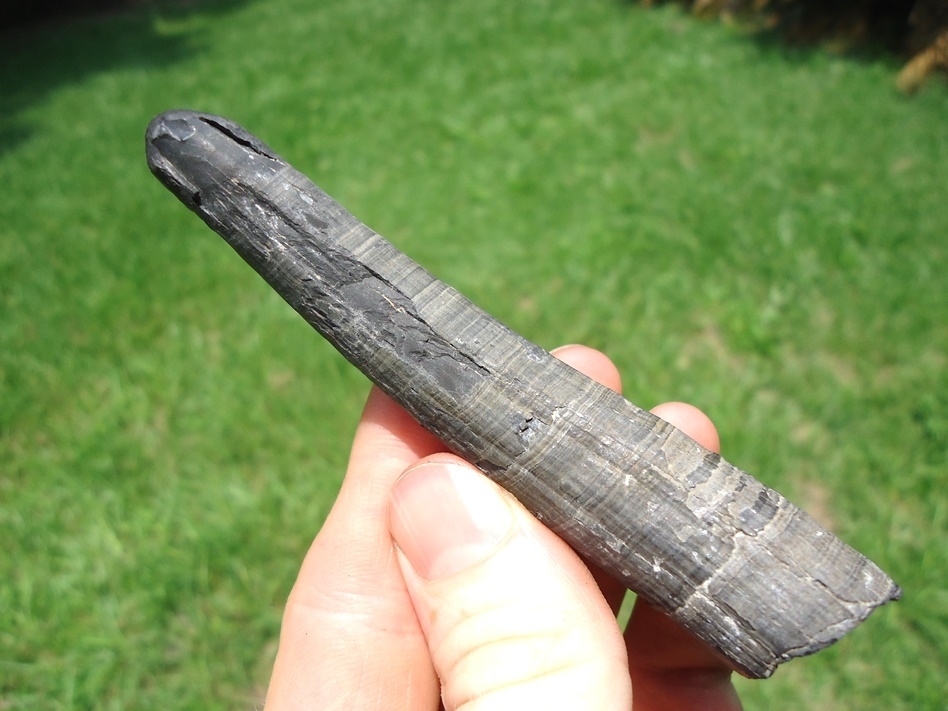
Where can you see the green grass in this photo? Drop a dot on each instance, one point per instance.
(758, 230)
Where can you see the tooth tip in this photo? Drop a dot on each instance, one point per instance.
(177, 124)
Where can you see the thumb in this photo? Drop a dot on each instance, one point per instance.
(512, 617)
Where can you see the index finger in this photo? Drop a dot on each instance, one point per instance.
(350, 636)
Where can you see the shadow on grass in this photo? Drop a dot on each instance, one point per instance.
(38, 59)
(773, 42)
(862, 30)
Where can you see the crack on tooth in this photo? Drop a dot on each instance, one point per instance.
(246, 141)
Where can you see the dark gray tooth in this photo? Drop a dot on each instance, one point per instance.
(730, 559)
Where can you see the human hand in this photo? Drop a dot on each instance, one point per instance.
(428, 584)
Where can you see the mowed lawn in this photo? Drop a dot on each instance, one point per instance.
(758, 229)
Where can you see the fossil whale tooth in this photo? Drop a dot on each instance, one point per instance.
(727, 557)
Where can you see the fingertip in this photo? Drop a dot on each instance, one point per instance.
(445, 516)
(591, 363)
(692, 421)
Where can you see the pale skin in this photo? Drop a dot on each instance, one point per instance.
(429, 587)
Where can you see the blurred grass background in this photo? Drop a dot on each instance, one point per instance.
(757, 229)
